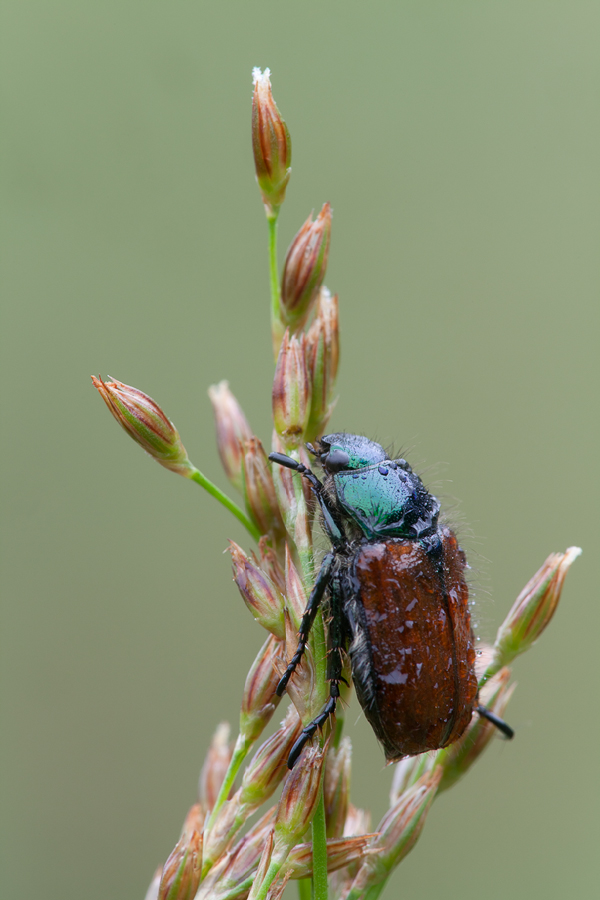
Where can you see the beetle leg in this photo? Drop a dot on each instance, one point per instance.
(288, 463)
(496, 720)
(308, 732)
(336, 636)
(314, 601)
(334, 676)
(333, 527)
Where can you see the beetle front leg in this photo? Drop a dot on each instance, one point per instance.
(334, 676)
(314, 601)
(331, 521)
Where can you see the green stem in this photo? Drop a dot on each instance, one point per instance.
(240, 751)
(304, 888)
(273, 272)
(239, 890)
(319, 842)
(493, 668)
(227, 502)
(319, 646)
(276, 324)
(268, 880)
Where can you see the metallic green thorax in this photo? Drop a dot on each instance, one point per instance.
(382, 496)
(386, 501)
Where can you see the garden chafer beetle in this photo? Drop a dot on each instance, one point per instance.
(398, 601)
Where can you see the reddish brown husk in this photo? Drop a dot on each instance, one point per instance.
(304, 269)
(215, 766)
(271, 144)
(417, 618)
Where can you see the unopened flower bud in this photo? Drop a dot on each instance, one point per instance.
(322, 359)
(327, 321)
(336, 787)
(262, 777)
(259, 490)
(533, 608)
(458, 758)
(181, 872)
(291, 391)
(267, 768)
(341, 852)
(398, 832)
(215, 766)
(260, 700)
(304, 269)
(269, 562)
(234, 872)
(221, 831)
(146, 423)
(259, 593)
(298, 799)
(233, 430)
(271, 144)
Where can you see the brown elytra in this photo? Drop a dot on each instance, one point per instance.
(413, 668)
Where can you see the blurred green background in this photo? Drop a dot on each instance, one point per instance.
(458, 144)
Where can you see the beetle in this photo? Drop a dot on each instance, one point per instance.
(398, 601)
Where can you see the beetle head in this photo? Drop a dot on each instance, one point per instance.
(340, 452)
